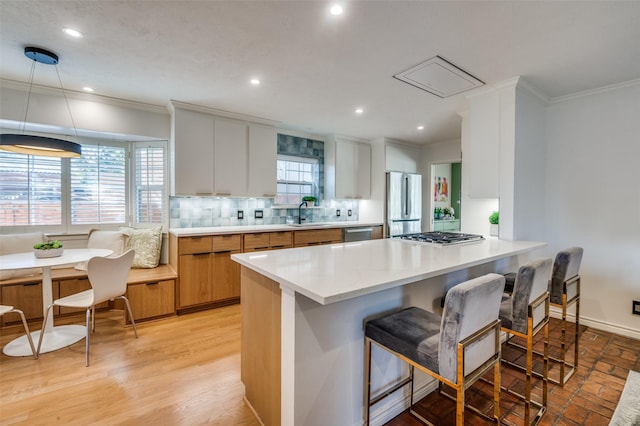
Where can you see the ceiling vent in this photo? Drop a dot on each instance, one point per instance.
(440, 77)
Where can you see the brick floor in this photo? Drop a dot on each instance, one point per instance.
(587, 399)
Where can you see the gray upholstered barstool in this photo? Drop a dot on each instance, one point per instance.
(564, 289)
(524, 313)
(456, 348)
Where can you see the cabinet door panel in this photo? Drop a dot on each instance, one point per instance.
(193, 153)
(263, 151)
(27, 298)
(362, 186)
(230, 158)
(151, 299)
(195, 280)
(226, 276)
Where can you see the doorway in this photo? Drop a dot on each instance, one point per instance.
(446, 209)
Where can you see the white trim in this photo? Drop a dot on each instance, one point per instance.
(173, 104)
(589, 92)
(72, 94)
(599, 325)
(388, 411)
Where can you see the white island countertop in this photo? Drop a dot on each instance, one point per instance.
(331, 273)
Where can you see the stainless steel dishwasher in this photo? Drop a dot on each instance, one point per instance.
(356, 233)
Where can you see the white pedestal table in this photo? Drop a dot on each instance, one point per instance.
(56, 337)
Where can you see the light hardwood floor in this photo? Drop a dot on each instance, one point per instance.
(180, 371)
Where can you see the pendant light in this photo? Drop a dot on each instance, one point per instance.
(41, 145)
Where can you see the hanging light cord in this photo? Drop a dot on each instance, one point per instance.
(64, 94)
(26, 110)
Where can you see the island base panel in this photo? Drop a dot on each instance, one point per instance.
(260, 353)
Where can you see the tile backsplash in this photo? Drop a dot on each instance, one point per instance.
(196, 212)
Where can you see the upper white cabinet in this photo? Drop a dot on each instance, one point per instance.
(263, 157)
(480, 146)
(193, 153)
(353, 169)
(222, 156)
(230, 158)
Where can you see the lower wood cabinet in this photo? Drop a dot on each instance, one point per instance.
(151, 299)
(312, 237)
(195, 272)
(25, 296)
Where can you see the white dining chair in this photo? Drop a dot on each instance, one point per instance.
(108, 279)
(5, 309)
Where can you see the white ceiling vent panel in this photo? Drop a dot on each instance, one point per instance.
(440, 77)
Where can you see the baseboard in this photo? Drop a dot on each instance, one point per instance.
(597, 324)
(393, 406)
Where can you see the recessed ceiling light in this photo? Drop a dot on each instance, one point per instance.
(72, 32)
(420, 127)
(359, 110)
(87, 89)
(336, 10)
(255, 81)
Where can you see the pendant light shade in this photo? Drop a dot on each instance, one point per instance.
(40, 145)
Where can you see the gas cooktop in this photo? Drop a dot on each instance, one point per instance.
(442, 238)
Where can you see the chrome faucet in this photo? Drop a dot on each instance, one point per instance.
(300, 219)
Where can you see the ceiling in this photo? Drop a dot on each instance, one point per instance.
(316, 68)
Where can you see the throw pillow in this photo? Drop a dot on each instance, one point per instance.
(19, 243)
(147, 243)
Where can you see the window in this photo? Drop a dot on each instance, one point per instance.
(150, 164)
(30, 190)
(99, 188)
(296, 178)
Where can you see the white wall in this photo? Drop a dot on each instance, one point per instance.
(90, 112)
(593, 199)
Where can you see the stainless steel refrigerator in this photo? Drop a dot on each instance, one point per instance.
(404, 203)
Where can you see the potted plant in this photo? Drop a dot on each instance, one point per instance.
(48, 249)
(494, 218)
(311, 200)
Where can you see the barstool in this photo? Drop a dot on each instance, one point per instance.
(456, 348)
(564, 289)
(524, 313)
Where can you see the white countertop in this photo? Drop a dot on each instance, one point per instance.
(330, 273)
(184, 232)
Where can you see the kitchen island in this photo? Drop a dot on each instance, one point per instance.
(303, 312)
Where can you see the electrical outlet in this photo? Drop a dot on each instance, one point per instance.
(635, 310)
(349, 212)
(240, 214)
(258, 214)
(338, 212)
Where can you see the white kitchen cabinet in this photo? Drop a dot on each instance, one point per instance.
(481, 157)
(263, 153)
(193, 153)
(353, 170)
(230, 158)
(214, 155)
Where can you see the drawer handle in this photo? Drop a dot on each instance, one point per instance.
(277, 246)
(30, 284)
(223, 194)
(152, 283)
(200, 254)
(223, 251)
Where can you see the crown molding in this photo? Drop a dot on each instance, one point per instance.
(90, 97)
(173, 104)
(578, 95)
